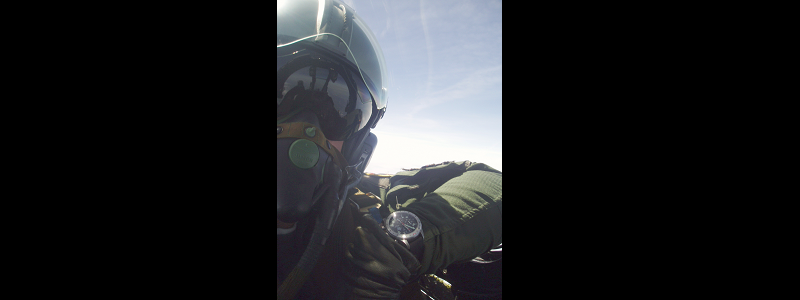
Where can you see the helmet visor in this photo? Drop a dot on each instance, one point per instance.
(334, 26)
(312, 79)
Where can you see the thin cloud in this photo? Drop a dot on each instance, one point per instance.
(445, 97)
(475, 83)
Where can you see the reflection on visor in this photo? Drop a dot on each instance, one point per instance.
(334, 92)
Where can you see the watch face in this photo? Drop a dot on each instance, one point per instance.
(403, 225)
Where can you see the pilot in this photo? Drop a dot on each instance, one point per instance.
(342, 234)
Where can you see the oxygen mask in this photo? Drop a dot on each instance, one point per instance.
(313, 178)
(309, 168)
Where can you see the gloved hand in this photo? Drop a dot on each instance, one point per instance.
(377, 267)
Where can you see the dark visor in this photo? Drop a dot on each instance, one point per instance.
(313, 80)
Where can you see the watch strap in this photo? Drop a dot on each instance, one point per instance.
(417, 247)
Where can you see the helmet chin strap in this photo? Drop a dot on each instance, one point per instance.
(303, 157)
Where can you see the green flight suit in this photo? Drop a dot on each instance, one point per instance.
(460, 205)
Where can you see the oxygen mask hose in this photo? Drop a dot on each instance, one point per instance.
(308, 178)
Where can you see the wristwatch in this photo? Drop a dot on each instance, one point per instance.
(406, 228)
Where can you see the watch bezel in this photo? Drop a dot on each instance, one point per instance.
(408, 236)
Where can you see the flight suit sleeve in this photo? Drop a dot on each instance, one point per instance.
(461, 219)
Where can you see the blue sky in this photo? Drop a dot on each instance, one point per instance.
(444, 59)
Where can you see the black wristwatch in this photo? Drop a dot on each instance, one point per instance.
(406, 228)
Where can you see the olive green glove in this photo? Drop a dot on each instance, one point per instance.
(377, 267)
